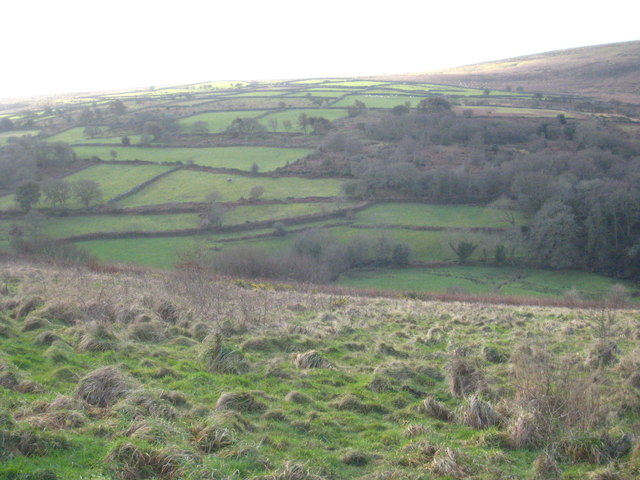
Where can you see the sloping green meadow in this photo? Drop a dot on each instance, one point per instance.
(420, 214)
(192, 186)
(241, 158)
(484, 280)
(117, 179)
(298, 385)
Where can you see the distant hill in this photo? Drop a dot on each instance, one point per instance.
(607, 72)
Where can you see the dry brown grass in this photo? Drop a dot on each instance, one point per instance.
(436, 409)
(240, 402)
(103, 387)
(477, 413)
(450, 462)
(464, 377)
(310, 359)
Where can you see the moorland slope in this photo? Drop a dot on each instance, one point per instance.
(602, 71)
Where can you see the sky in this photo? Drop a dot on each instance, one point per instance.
(66, 46)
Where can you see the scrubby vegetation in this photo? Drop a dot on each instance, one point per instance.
(186, 376)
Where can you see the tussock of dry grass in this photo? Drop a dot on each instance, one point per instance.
(297, 397)
(436, 409)
(464, 378)
(477, 413)
(219, 358)
(450, 462)
(239, 401)
(103, 387)
(310, 359)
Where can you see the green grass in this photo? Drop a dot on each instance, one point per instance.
(113, 180)
(241, 158)
(191, 186)
(76, 135)
(150, 252)
(117, 179)
(483, 279)
(258, 213)
(418, 214)
(68, 226)
(217, 121)
(387, 355)
(293, 114)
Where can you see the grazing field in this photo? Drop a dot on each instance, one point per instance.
(150, 252)
(417, 214)
(259, 213)
(217, 121)
(190, 186)
(7, 202)
(117, 179)
(134, 376)
(241, 158)
(76, 136)
(482, 279)
(69, 226)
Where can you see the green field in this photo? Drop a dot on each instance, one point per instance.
(191, 186)
(481, 279)
(76, 135)
(241, 158)
(117, 179)
(68, 226)
(417, 214)
(7, 202)
(150, 252)
(293, 114)
(259, 213)
(217, 121)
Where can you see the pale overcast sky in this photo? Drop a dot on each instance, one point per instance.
(87, 45)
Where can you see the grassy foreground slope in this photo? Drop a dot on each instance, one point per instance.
(181, 376)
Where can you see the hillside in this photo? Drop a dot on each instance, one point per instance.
(381, 184)
(184, 376)
(606, 72)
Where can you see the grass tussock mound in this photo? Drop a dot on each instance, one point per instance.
(449, 462)
(436, 409)
(144, 404)
(211, 438)
(103, 387)
(240, 402)
(98, 337)
(310, 359)
(527, 430)
(132, 462)
(297, 397)
(477, 413)
(30, 443)
(219, 358)
(292, 471)
(464, 377)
